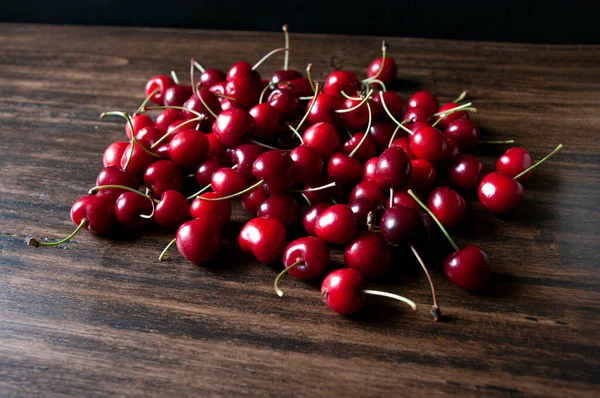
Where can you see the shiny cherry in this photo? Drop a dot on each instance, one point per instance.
(276, 168)
(365, 151)
(428, 143)
(242, 69)
(244, 91)
(447, 205)
(172, 210)
(310, 217)
(188, 148)
(417, 115)
(468, 268)
(424, 99)
(393, 169)
(344, 169)
(244, 157)
(129, 208)
(264, 238)
(401, 198)
(369, 254)
(341, 80)
(226, 181)
(231, 125)
(369, 169)
(114, 175)
(382, 130)
(98, 211)
(366, 211)
(215, 148)
(369, 190)
(324, 138)
(499, 193)
(212, 76)
(324, 109)
(467, 172)
(139, 121)
(166, 118)
(307, 162)
(393, 102)
(402, 224)
(207, 168)
(447, 119)
(358, 117)
(252, 199)
(140, 159)
(422, 177)
(404, 143)
(177, 95)
(336, 225)
(515, 161)
(113, 153)
(285, 75)
(198, 241)
(282, 207)
(214, 212)
(304, 258)
(160, 83)
(162, 176)
(284, 101)
(464, 132)
(267, 120)
(384, 70)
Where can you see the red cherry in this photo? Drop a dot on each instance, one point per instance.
(162, 176)
(276, 169)
(393, 169)
(468, 268)
(285, 75)
(324, 138)
(195, 104)
(301, 87)
(242, 69)
(367, 148)
(417, 115)
(369, 254)
(282, 207)
(231, 125)
(499, 193)
(447, 205)
(366, 211)
(211, 76)
(166, 118)
(369, 190)
(244, 91)
(140, 160)
(97, 210)
(422, 177)
(198, 241)
(129, 208)
(446, 119)
(382, 130)
(358, 117)
(336, 225)
(322, 195)
(370, 169)
(343, 291)
(451, 154)
(402, 198)
(113, 153)
(188, 148)
(389, 70)
(113, 175)
(148, 133)
(308, 163)
(207, 168)
(424, 99)
(417, 125)
(393, 102)
(160, 83)
(215, 148)
(216, 213)
(344, 169)
(244, 157)
(226, 181)
(515, 161)
(139, 121)
(341, 80)
(464, 132)
(323, 111)
(252, 200)
(402, 224)
(264, 238)
(404, 143)
(284, 101)
(172, 210)
(267, 120)
(311, 254)
(177, 95)
(467, 172)
(428, 143)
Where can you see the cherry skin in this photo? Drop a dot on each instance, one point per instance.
(389, 70)
(367, 189)
(198, 241)
(244, 91)
(343, 291)
(336, 225)
(166, 118)
(515, 161)
(129, 207)
(402, 224)
(313, 253)
(428, 143)
(393, 102)
(464, 132)
(402, 198)
(148, 133)
(242, 69)
(324, 138)
(139, 121)
(468, 268)
(113, 153)
(194, 103)
(367, 149)
(370, 169)
(467, 172)
(188, 148)
(286, 75)
(417, 115)
(207, 168)
(382, 130)
(366, 211)
(267, 120)
(451, 154)
(322, 195)
(282, 207)
(276, 169)
(244, 157)
(162, 83)
(369, 254)
(324, 110)
(424, 99)
(214, 212)
(301, 87)
(417, 125)
(177, 95)
(422, 177)
(446, 119)
(307, 162)
(393, 169)
(284, 101)
(447, 205)
(231, 125)
(97, 210)
(357, 118)
(404, 143)
(226, 181)
(140, 160)
(252, 200)
(212, 76)
(171, 211)
(162, 176)
(215, 148)
(341, 80)
(344, 169)
(499, 193)
(114, 175)
(264, 238)
(310, 217)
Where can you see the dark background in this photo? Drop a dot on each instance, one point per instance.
(550, 21)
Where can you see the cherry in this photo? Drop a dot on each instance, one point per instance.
(264, 238)
(341, 80)
(166, 118)
(365, 151)
(464, 132)
(467, 172)
(284, 101)
(148, 133)
(513, 162)
(451, 154)
(369, 190)
(336, 225)
(304, 258)
(131, 207)
(307, 162)
(215, 148)
(139, 121)
(444, 120)
(393, 169)
(417, 115)
(423, 176)
(245, 91)
(301, 87)
(324, 138)
(468, 268)
(231, 125)
(324, 109)
(354, 113)
(214, 212)
(417, 125)
(139, 160)
(207, 168)
(197, 241)
(113, 175)
(315, 193)
(171, 211)
(369, 169)
(188, 148)
(392, 101)
(244, 157)
(401, 198)
(404, 143)
(113, 153)
(282, 207)
(365, 210)
(384, 69)
(381, 131)
(369, 254)
(447, 205)
(212, 76)
(428, 143)
(499, 193)
(252, 200)
(205, 103)
(162, 176)
(267, 120)
(344, 169)
(242, 69)
(276, 169)
(402, 224)
(177, 95)
(226, 181)
(343, 290)
(160, 83)
(424, 99)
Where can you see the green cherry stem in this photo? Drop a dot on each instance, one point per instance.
(282, 273)
(384, 49)
(548, 156)
(349, 97)
(140, 109)
(416, 198)
(306, 199)
(497, 142)
(435, 309)
(36, 243)
(175, 130)
(206, 188)
(296, 133)
(181, 108)
(393, 137)
(198, 66)
(192, 79)
(270, 86)
(286, 59)
(268, 55)
(174, 76)
(162, 254)
(97, 188)
(392, 296)
(365, 134)
(321, 188)
(355, 107)
(461, 97)
(314, 99)
(401, 125)
(377, 81)
(309, 77)
(204, 103)
(235, 195)
(458, 108)
(266, 145)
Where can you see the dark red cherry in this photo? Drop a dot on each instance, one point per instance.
(166, 118)
(308, 163)
(464, 132)
(428, 143)
(422, 177)
(369, 190)
(311, 254)
(388, 67)
(447, 205)
(242, 69)
(216, 213)
(424, 99)
(188, 148)
(244, 91)
(310, 217)
(344, 169)
(162, 176)
(343, 291)
(129, 208)
(226, 181)
(402, 224)
(176, 95)
(172, 210)
(277, 170)
(286, 75)
(369, 254)
(231, 125)
(451, 154)
(367, 148)
(324, 138)
(215, 148)
(139, 121)
(301, 87)
(97, 210)
(114, 175)
(402, 198)
(264, 238)
(284, 101)
(393, 102)
(336, 225)
(499, 193)
(160, 83)
(194, 103)
(468, 268)
(252, 200)
(417, 115)
(446, 119)
(140, 159)
(210, 77)
(382, 130)
(369, 169)
(341, 80)
(282, 207)
(393, 169)
(178, 126)
(113, 153)
(267, 120)
(148, 133)
(404, 143)
(198, 241)
(356, 119)
(324, 110)
(244, 157)
(418, 125)
(207, 168)
(467, 172)
(515, 161)
(366, 211)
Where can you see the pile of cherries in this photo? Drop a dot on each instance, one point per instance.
(373, 173)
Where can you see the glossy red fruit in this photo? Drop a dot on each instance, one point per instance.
(307, 162)
(424, 99)
(242, 69)
(226, 181)
(267, 120)
(393, 102)
(515, 161)
(324, 138)
(198, 241)
(129, 208)
(451, 154)
(314, 254)
(447, 119)
(177, 95)
(113, 153)
(215, 148)
(367, 148)
(231, 125)
(336, 225)
(284, 101)
(369, 254)
(464, 132)
(401, 225)
(345, 170)
(276, 168)
(422, 177)
(361, 207)
(212, 76)
(252, 200)
(499, 193)
(467, 172)
(162, 176)
(356, 119)
(369, 190)
(388, 67)
(207, 168)
(428, 143)
(404, 143)
(393, 169)
(263, 237)
(98, 211)
(244, 91)
(139, 121)
(214, 212)
(285, 75)
(166, 118)
(417, 115)
(324, 110)
(341, 80)
(468, 268)
(343, 291)
(188, 148)
(447, 205)
(114, 175)
(172, 210)
(282, 207)
(148, 133)
(382, 130)
(140, 159)
(244, 157)
(310, 217)
(301, 87)
(160, 83)
(402, 198)
(195, 104)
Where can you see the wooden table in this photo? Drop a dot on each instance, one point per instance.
(103, 317)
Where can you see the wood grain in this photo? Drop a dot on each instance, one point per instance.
(102, 317)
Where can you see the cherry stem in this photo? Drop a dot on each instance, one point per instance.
(349, 97)
(36, 243)
(461, 97)
(270, 86)
(268, 55)
(224, 96)
(383, 88)
(393, 137)
(174, 76)
(309, 77)
(548, 156)
(391, 197)
(355, 107)
(181, 108)
(162, 254)
(282, 273)
(297, 134)
(392, 296)
(401, 125)
(416, 198)
(175, 130)
(435, 309)
(321, 188)
(140, 109)
(266, 145)
(93, 190)
(365, 134)
(498, 142)
(206, 188)
(286, 58)
(371, 227)
(198, 66)
(465, 107)
(235, 195)
(307, 200)
(314, 99)
(193, 65)
(384, 48)
(205, 105)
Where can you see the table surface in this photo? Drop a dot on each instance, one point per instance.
(103, 317)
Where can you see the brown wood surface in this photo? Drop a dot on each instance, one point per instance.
(102, 317)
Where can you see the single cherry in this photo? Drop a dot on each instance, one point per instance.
(212, 76)
(244, 157)
(162, 176)
(464, 132)
(216, 213)
(365, 151)
(382, 130)
(344, 169)
(385, 70)
(369, 254)
(370, 169)
(447, 119)
(324, 138)
(113, 153)
(424, 99)
(231, 125)
(468, 268)
(401, 198)
(310, 217)
(393, 169)
(139, 160)
(282, 207)
(499, 193)
(467, 172)
(252, 199)
(188, 148)
(276, 169)
(177, 95)
(366, 211)
(267, 120)
(515, 161)
(284, 101)
(304, 258)
(130, 207)
(198, 241)
(226, 181)
(401, 225)
(307, 162)
(324, 109)
(139, 121)
(160, 83)
(448, 206)
(428, 143)
(336, 225)
(369, 190)
(264, 238)
(422, 177)
(341, 80)
(404, 143)
(172, 210)
(114, 175)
